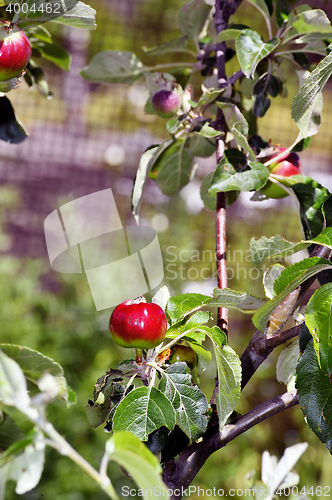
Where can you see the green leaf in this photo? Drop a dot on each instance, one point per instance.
(105, 401)
(9, 432)
(173, 169)
(267, 84)
(182, 305)
(142, 411)
(37, 77)
(134, 456)
(318, 318)
(229, 377)
(192, 17)
(269, 278)
(282, 11)
(81, 16)
(324, 238)
(315, 395)
(41, 33)
(262, 6)
(11, 129)
(230, 34)
(307, 104)
(26, 467)
(13, 385)
(161, 297)
(209, 200)
(148, 158)
(200, 146)
(300, 271)
(309, 21)
(238, 126)
(208, 96)
(16, 448)
(276, 246)
(189, 402)
(203, 356)
(215, 334)
(251, 50)
(311, 197)
(190, 327)
(208, 132)
(279, 476)
(141, 178)
(197, 319)
(179, 329)
(288, 281)
(53, 53)
(34, 365)
(174, 45)
(41, 11)
(225, 177)
(327, 211)
(114, 67)
(286, 365)
(232, 299)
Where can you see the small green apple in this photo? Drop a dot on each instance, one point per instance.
(185, 353)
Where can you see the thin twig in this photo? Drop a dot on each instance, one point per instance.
(259, 348)
(179, 475)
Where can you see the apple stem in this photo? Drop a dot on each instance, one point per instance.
(139, 355)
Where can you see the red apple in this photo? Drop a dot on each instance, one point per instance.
(166, 103)
(287, 165)
(15, 51)
(136, 323)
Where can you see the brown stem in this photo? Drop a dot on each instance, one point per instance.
(224, 9)
(259, 348)
(179, 475)
(221, 255)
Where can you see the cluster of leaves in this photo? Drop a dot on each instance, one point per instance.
(29, 381)
(29, 15)
(241, 99)
(167, 410)
(172, 165)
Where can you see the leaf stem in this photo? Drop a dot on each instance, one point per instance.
(64, 448)
(139, 355)
(275, 159)
(159, 67)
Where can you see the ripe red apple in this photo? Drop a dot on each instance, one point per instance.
(166, 103)
(136, 323)
(185, 353)
(15, 51)
(287, 165)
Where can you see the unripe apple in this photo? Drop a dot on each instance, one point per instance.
(15, 51)
(136, 323)
(185, 353)
(166, 103)
(287, 165)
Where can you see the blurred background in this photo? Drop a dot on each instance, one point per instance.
(90, 137)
